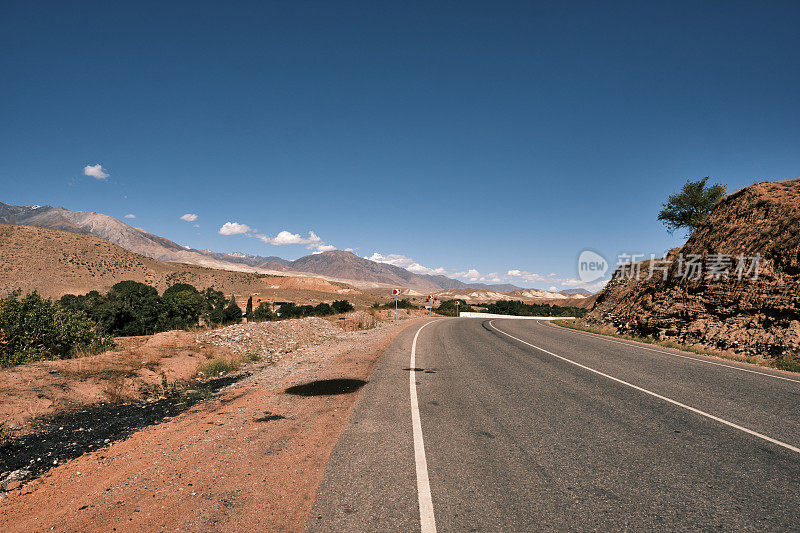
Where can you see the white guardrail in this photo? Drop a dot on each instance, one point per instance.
(468, 314)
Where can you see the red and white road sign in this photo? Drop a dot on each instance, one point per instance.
(430, 297)
(395, 292)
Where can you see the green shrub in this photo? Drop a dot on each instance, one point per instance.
(217, 367)
(263, 312)
(448, 307)
(232, 313)
(33, 328)
(405, 303)
(792, 364)
(342, 306)
(516, 307)
(253, 356)
(323, 309)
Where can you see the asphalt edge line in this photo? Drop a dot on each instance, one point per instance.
(427, 521)
(697, 358)
(656, 395)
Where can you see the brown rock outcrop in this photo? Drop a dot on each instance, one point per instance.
(726, 306)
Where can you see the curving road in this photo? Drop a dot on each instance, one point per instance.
(528, 426)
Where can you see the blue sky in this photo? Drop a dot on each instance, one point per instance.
(487, 136)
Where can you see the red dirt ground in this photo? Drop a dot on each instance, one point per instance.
(224, 465)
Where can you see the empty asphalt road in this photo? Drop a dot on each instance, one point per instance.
(520, 425)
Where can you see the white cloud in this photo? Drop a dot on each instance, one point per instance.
(130, 215)
(283, 238)
(469, 275)
(391, 259)
(416, 268)
(409, 264)
(493, 277)
(349, 249)
(95, 171)
(527, 276)
(576, 283)
(189, 217)
(286, 237)
(553, 288)
(233, 228)
(473, 275)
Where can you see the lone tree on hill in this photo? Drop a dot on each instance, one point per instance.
(690, 207)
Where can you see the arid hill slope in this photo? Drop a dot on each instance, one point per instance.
(337, 266)
(753, 316)
(116, 232)
(57, 262)
(349, 266)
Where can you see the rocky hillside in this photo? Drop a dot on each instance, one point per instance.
(756, 316)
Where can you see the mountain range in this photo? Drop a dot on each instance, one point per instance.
(335, 265)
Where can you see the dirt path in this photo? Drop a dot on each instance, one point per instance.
(250, 458)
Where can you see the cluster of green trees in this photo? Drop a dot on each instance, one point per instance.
(448, 307)
(33, 328)
(405, 303)
(133, 308)
(516, 307)
(290, 310)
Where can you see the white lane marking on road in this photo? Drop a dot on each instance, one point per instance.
(651, 393)
(691, 358)
(426, 519)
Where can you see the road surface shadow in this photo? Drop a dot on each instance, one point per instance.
(327, 387)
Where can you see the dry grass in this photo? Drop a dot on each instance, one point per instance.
(151, 358)
(81, 352)
(95, 368)
(791, 364)
(116, 391)
(252, 356)
(6, 434)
